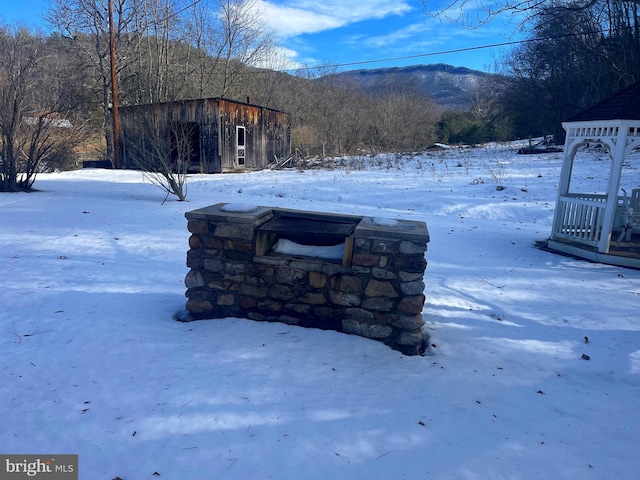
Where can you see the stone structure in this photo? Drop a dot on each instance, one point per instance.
(358, 275)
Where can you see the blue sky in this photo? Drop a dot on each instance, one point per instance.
(338, 32)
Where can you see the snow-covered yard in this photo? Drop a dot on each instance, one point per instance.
(92, 363)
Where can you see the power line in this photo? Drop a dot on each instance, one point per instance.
(458, 50)
(408, 57)
(175, 14)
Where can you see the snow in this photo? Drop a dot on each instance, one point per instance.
(385, 222)
(93, 363)
(239, 208)
(328, 252)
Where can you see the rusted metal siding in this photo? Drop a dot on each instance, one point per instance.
(268, 135)
(267, 131)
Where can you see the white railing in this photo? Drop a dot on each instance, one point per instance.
(594, 132)
(580, 217)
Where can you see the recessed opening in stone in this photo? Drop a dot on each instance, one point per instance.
(325, 237)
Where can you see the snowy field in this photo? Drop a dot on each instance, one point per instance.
(92, 363)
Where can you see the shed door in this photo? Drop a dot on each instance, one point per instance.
(241, 140)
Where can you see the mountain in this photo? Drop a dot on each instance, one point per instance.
(450, 87)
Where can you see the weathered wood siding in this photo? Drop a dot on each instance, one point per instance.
(268, 135)
(267, 131)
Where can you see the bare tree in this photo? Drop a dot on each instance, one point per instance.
(86, 24)
(269, 85)
(34, 110)
(229, 36)
(575, 61)
(475, 13)
(335, 114)
(323, 105)
(402, 119)
(160, 64)
(163, 150)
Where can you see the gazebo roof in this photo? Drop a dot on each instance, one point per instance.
(624, 105)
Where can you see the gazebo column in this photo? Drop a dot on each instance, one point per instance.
(570, 148)
(618, 154)
(567, 168)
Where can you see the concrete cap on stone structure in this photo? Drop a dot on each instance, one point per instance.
(411, 230)
(229, 212)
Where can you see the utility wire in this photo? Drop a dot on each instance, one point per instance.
(458, 50)
(175, 14)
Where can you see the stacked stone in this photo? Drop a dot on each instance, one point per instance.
(379, 296)
(220, 257)
(392, 274)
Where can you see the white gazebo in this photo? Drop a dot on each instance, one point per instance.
(584, 223)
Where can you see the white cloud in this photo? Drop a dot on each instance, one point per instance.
(290, 19)
(290, 22)
(420, 38)
(281, 58)
(409, 32)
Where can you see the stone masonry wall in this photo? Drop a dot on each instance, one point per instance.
(379, 296)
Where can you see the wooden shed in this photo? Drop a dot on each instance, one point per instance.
(224, 135)
(601, 226)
